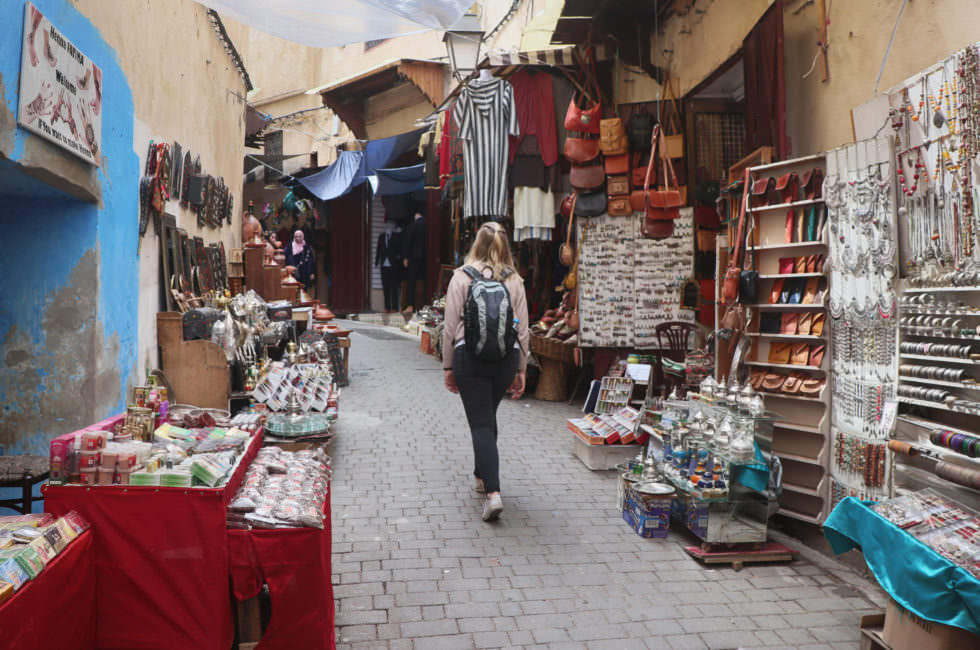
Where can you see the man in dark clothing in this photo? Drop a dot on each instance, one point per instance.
(388, 255)
(414, 258)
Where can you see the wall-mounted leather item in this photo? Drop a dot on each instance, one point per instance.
(805, 324)
(788, 187)
(619, 206)
(812, 387)
(587, 177)
(581, 150)
(773, 381)
(800, 264)
(800, 355)
(612, 137)
(792, 384)
(591, 205)
(813, 183)
(775, 295)
(638, 200)
(618, 185)
(817, 329)
(756, 377)
(788, 324)
(780, 352)
(810, 293)
(763, 192)
(816, 355)
(663, 206)
(617, 165)
(786, 265)
(566, 254)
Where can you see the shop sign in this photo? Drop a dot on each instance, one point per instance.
(60, 89)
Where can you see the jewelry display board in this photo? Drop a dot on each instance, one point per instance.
(863, 271)
(789, 331)
(628, 284)
(934, 120)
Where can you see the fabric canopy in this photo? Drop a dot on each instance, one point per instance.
(329, 23)
(400, 180)
(352, 168)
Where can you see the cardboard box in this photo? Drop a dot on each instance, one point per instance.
(906, 631)
(603, 457)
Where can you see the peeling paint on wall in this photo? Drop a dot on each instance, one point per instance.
(7, 124)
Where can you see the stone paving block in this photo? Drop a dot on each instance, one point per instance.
(429, 628)
(449, 642)
(490, 639)
(354, 633)
(422, 598)
(595, 632)
(361, 617)
(686, 641)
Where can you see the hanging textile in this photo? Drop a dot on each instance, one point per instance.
(400, 180)
(765, 85)
(486, 115)
(534, 213)
(534, 99)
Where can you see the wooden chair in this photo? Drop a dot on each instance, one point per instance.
(673, 338)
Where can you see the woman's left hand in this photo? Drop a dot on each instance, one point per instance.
(517, 388)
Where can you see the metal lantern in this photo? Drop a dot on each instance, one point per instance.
(463, 45)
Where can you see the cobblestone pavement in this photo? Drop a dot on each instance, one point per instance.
(414, 567)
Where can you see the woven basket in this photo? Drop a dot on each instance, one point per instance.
(552, 349)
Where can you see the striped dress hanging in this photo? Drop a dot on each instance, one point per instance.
(486, 114)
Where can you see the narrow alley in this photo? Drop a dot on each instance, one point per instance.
(413, 562)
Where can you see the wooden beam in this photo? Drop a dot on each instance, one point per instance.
(429, 78)
(352, 113)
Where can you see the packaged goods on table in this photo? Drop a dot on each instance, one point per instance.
(30, 543)
(310, 385)
(282, 489)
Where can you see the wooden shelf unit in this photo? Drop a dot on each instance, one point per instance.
(802, 439)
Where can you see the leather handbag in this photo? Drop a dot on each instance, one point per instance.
(788, 324)
(662, 206)
(786, 265)
(566, 206)
(729, 288)
(813, 183)
(816, 355)
(775, 295)
(800, 355)
(638, 174)
(763, 192)
(812, 387)
(780, 352)
(639, 131)
(585, 114)
(756, 377)
(805, 324)
(788, 187)
(566, 254)
(810, 293)
(612, 137)
(748, 285)
(618, 185)
(581, 150)
(591, 204)
(617, 165)
(619, 206)
(793, 383)
(638, 200)
(799, 265)
(587, 177)
(817, 329)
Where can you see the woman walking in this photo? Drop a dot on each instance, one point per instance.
(481, 384)
(299, 255)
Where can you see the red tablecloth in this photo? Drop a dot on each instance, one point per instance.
(295, 563)
(161, 557)
(56, 609)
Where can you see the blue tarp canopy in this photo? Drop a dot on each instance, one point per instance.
(353, 167)
(400, 180)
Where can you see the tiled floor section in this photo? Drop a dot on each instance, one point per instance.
(414, 567)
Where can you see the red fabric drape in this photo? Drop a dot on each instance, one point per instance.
(161, 557)
(765, 84)
(349, 247)
(295, 563)
(56, 609)
(535, 102)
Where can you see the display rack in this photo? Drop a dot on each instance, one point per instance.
(801, 438)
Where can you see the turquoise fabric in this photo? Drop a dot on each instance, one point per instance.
(918, 578)
(755, 477)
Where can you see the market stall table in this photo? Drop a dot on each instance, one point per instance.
(56, 609)
(161, 556)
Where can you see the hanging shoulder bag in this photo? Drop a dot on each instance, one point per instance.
(729, 289)
(585, 117)
(662, 206)
(566, 254)
(639, 130)
(587, 177)
(581, 150)
(612, 137)
(591, 204)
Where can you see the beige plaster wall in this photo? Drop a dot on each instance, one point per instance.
(818, 113)
(185, 88)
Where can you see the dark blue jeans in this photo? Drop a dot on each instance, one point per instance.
(481, 386)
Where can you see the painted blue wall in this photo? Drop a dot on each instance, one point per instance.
(45, 236)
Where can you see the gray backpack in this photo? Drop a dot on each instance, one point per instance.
(488, 318)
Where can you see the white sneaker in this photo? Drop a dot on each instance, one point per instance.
(479, 486)
(493, 507)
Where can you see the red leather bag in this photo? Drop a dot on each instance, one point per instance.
(581, 150)
(617, 165)
(587, 177)
(662, 206)
(619, 206)
(585, 116)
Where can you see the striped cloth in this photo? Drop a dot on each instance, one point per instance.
(486, 114)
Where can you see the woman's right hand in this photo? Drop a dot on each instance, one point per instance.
(450, 380)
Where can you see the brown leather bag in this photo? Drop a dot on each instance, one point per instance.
(662, 206)
(587, 177)
(566, 254)
(618, 185)
(638, 174)
(612, 137)
(581, 150)
(780, 352)
(619, 206)
(585, 117)
(617, 165)
(729, 288)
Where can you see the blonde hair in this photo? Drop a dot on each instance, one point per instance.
(492, 248)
